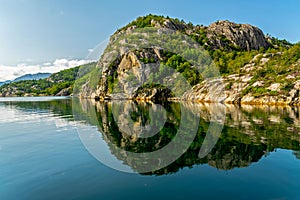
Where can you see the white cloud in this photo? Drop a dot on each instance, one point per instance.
(91, 50)
(19, 73)
(12, 72)
(47, 64)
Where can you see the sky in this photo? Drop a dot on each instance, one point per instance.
(38, 34)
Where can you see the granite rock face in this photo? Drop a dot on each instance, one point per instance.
(124, 79)
(231, 90)
(243, 36)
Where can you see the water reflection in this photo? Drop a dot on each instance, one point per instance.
(249, 132)
(297, 154)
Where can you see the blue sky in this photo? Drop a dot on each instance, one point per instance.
(39, 31)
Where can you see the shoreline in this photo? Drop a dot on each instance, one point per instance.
(251, 103)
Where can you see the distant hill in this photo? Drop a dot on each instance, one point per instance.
(57, 84)
(28, 77)
(5, 82)
(32, 77)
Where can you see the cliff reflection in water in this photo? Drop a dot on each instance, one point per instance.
(249, 133)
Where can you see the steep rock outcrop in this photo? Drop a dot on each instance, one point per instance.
(243, 36)
(123, 78)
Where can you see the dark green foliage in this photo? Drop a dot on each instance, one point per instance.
(228, 86)
(280, 43)
(257, 91)
(229, 62)
(110, 83)
(181, 65)
(279, 67)
(145, 21)
(288, 57)
(200, 36)
(146, 60)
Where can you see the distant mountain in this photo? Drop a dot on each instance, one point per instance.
(27, 77)
(5, 82)
(32, 77)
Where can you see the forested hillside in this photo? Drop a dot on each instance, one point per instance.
(58, 84)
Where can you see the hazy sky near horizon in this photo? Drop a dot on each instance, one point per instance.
(42, 31)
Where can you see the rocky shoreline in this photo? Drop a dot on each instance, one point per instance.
(246, 100)
(235, 95)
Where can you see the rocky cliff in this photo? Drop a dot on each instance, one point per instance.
(244, 56)
(131, 65)
(222, 34)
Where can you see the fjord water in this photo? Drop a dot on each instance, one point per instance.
(257, 155)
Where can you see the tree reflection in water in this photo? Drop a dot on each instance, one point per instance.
(249, 133)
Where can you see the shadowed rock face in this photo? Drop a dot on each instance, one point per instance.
(126, 74)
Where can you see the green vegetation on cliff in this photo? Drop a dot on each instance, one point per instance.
(229, 58)
(149, 21)
(282, 68)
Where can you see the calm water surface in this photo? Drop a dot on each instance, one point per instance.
(43, 156)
